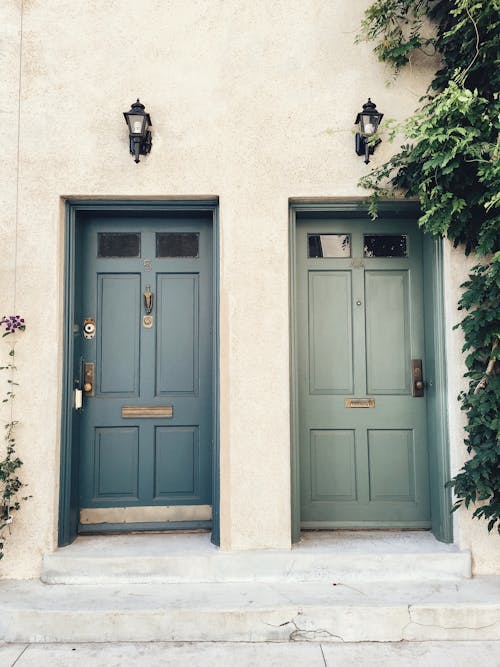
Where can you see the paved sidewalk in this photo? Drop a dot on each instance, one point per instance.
(229, 654)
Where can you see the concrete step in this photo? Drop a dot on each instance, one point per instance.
(341, 556)
(326, 611)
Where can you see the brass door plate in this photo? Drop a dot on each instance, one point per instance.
(147, 411)
(360, 403)
(88, 379)
(417, 379)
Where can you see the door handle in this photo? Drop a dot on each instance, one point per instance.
(148, 300)
(417, 378)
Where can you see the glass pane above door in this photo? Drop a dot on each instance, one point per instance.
(385, 245)
(118, 244)
(329, 245)
(177, 244)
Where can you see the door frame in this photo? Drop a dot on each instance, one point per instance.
(438, 441)
(68, 487)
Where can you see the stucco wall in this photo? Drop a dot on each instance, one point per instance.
(250, 101)
(469, 533)
(10, 39)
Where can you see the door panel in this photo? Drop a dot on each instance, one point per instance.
(116, 460)
(330, 327)
(177, 462)
(391, 455)
(178, 334)
(148, 355)
(387, 332)
(118, 333)
(363, 448)
(333, 467)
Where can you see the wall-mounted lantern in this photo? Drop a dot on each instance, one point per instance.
(367, 121)
(139, 124)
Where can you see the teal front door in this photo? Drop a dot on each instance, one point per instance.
(144, 368)
(362, 415)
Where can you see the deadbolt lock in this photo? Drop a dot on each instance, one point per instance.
(89, 328)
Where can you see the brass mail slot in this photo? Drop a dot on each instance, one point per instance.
(159, 411)
(360, 403)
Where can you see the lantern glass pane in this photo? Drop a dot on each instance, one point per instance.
(369, 124)
(135, 123)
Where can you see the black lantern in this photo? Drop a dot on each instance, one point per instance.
(139, 124)
(367, 121)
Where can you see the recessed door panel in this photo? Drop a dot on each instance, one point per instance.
(177, 334)
(387, 332)
(116, 461)
(118, 306)
(177, 462)
(333, 465)
(330, 332)
(391, 461)
(362, 434)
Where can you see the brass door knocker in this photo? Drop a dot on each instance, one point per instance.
(148, 300)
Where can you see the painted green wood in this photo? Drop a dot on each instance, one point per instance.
(69, 502)
(178, 338)
(389, 485)
(333, 473)
(118, 333)
(177, 453)
(169, 460)
(330, 327)
(116, 461)
(387, 332)
(77, 215)
(391, 454)
(436, 391)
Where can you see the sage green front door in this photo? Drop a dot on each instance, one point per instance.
(144, 338)
(363, 444)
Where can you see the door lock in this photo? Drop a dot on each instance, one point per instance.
(88, 379)
(417, 378)
(89, 328)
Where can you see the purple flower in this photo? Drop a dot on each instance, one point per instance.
(12, 323)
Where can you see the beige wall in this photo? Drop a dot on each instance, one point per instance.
(253, 101)
(10, 40)
(469, 533)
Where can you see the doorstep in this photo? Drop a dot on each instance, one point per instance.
(326, 611)
(341, 556)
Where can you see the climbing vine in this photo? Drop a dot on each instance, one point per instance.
(10, 483)
(449, 160)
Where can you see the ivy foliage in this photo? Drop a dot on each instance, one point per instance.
(449, 160)
(480, 477)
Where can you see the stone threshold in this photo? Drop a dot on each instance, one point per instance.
(340, 556)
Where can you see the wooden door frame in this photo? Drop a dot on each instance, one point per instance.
(68, 487)
(439, 455)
